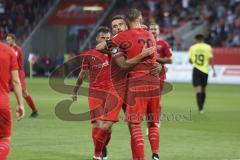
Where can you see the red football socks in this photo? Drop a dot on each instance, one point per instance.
(137, 142)
(94, 132)
(108, 138)
(100, 140)
(4, 148)
(31, 103)
(153, 137)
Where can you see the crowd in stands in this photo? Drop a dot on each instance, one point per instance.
(20, 16)
(222, 18)
(224, 23)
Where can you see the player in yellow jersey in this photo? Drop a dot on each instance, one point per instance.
(200, 56)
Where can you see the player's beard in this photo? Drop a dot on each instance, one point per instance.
(119, 31)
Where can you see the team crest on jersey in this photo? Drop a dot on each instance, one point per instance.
(101, 65)
(16, 53)
(106, 63)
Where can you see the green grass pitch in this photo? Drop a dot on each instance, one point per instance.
(185, 134)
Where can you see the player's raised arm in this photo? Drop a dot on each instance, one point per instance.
(101, 46)
(20, 111)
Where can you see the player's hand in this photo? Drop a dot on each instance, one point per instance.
(74, 97)
(20, 112)
(147, 52)
(101, 46)
(156, 70)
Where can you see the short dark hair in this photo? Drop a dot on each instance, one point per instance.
(153, 24)
(199, 37)
(133, 14)
(118, 16)
(12, 36)
(103, 29)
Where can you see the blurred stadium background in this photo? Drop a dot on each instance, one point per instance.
(56, 30)
(53, 31)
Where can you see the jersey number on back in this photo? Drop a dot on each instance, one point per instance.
(199, 59)
(148, 42)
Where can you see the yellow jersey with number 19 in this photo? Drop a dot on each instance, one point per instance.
(199, 54)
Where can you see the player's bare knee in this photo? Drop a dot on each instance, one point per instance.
(94, 125)
(97, 124)
(107, 126)
(198, 89)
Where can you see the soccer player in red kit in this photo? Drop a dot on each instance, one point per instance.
(118, 24)
(98, 65)
(9, 71)
(130, 44)
(11, 40)
(164, 56)
(164, 53)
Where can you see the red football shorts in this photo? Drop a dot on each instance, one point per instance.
(143, 101)
(5, 122)
(96, 108)
(112, 108)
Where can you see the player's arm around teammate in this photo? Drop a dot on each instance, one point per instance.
(126, 64)
(122, 62)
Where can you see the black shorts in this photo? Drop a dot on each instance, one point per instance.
(199, 78)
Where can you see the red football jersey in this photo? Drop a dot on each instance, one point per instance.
(8, 63)
(98, 66)
(163, 50)
(130, 43)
